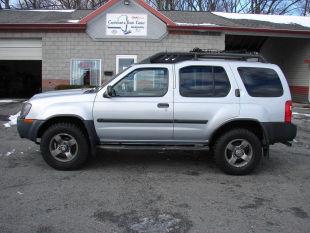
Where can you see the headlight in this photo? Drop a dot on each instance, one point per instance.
(25, 110)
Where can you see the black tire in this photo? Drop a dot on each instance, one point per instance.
(81, 140)
(223, 142)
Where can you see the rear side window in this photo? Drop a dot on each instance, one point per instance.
(261, 82)
(204, 81)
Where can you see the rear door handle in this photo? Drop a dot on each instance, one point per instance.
(163, 105)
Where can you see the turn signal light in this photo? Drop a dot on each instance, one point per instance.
(28, 121)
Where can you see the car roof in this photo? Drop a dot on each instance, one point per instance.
(198, 54)
(217, 61)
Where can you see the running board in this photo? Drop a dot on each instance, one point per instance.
(152, 147)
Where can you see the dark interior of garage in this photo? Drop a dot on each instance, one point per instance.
(244, 43)
(20, 79)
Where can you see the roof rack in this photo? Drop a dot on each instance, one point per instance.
(200, 54)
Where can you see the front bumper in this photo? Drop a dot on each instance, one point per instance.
(280, 132)
(28, 130)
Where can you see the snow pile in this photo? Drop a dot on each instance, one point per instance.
(196, 24)
(13, 120)
(280, 19)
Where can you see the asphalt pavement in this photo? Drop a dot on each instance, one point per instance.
(152, 191)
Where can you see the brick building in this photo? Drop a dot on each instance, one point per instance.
(42, 49)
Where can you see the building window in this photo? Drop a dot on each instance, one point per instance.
(124, 61)
(86, 72)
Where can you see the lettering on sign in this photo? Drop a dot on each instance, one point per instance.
(126, 25)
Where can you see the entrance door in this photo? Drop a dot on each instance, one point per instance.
(141, 108)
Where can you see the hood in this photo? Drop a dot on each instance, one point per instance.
(65, 96)
(66, 102)
(62, 93)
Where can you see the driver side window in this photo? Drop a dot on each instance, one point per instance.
(144, 82)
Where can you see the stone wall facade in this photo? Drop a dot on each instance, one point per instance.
(60, 48)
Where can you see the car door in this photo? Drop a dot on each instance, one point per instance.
(141, 108)
(203, 100)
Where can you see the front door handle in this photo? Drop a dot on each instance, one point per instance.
(163, 105)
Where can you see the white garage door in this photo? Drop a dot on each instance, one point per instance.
(20, 49)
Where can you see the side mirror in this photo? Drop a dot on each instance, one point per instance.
(109, 92)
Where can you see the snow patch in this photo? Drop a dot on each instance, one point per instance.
(51, 10)
(301, 114)
(196, 24)
(73, 20)
(10, 152)
(164, 223)
(13, 120)
(8, 101)
(280, 19)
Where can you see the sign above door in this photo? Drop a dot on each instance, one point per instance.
(126, 25)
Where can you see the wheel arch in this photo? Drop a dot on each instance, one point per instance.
(250, 124)
(60, 119)
(87, 126)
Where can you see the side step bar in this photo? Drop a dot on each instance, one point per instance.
(152, 147)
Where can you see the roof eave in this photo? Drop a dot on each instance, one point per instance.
(43, 27)
(110, 3)
(236, 29)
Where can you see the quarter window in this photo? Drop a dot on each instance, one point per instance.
(86, 72)
(261, 82)
(148, 82)
(204, 81)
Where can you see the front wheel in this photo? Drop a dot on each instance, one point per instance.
(64, 146)
(238, 152)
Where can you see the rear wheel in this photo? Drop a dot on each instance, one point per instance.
(64, 146)
(238, 152)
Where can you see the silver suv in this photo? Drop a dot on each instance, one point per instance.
(226, 103)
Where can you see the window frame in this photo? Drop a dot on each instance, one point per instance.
(266, 68)
(144, 68)
(228, 79)
(118, 57)
(87, 59)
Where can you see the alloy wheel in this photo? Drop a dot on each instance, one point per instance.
(238, 152)
(63, 147)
